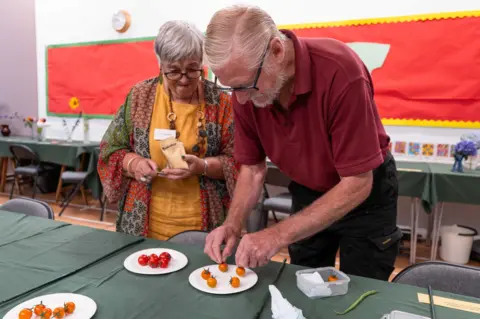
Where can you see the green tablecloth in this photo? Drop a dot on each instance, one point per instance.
(60, 152)
(121, 294)
(49, 255)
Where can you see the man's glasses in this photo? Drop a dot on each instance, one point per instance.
(246, 88)
(177, 75)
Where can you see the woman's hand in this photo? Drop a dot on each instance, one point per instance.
(196, 166)
(144, 170)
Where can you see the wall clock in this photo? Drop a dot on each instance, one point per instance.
(121, 21)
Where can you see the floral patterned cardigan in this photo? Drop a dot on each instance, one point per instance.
(129, 132)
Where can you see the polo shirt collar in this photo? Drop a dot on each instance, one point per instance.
(303, 73)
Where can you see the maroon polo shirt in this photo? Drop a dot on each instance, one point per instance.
(331, 128)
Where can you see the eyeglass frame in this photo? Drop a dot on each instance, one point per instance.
(250, 87)
(183, 74)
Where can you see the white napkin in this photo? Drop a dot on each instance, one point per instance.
(281, 308)
(314, 278)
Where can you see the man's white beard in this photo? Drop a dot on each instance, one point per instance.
(267, 97)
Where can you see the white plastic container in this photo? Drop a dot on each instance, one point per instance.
(457, 243)
(402, 315)
(326, 289)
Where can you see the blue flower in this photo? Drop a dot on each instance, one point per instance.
(466, 148)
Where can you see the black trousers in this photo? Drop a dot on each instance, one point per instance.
(368, 236)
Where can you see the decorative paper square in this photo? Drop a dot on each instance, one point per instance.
(442, 150)
(428, 149)
(452, 150)
(413, 148)
(400, 147)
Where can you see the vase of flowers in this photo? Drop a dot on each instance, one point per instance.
(41, 125)
(86, 129)
(30, 122)
(463, 150)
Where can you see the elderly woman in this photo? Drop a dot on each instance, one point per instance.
(155, 200)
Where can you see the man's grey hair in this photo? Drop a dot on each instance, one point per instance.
(178, 40)
(239, 31)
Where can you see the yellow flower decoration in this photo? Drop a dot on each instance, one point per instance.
(74, 103)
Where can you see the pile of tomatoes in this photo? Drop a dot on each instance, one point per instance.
(155, 261)
(223, 267)
(46, 313)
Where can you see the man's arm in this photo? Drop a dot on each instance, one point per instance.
(247, 192)
(336, 203)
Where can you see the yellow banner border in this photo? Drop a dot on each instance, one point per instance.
(399, 19)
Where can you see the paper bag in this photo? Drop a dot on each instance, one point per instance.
(173, 151)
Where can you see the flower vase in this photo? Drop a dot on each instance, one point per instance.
(86, 130)
(458, 164)
(40, 136)
(32, 132)
(6, 130)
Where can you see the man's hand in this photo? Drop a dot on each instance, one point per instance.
(256, 249)
(227, 234)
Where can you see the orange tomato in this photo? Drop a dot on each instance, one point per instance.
(212, 282)
(235, 282)
(39, 309)
(240, 271)
(69, 307)
(206, 274)
(46, 314)
(332, 278)
(59, 312)
(25, 314)
(223, 267)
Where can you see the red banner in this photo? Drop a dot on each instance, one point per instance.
(425, 69)
(430, 74)
(99, 75)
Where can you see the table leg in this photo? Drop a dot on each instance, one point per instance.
(430, 229)
(414, 230)
(4, 163)
(437, 223)
(59, 187)
(82, 188)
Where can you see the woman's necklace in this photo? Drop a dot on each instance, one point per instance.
(199, 148)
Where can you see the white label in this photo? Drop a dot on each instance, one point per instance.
(163, 134)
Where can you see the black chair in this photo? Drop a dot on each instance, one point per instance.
(27, 206)
(281, 203)
(78, 180)
(26, 164)
(191, 237)
(458, 279)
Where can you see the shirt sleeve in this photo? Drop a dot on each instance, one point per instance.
(353, 130)
(248, 149)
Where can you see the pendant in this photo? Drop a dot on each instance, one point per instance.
(196, 148)
(202, 133)
(177, 134)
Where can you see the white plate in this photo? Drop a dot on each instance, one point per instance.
(85, 307)
(223, 280)
(177, 262)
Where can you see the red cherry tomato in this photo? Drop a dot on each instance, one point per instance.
(153, 262)
(154, 256)
(165, 255)
(143, 260)
(163, 263)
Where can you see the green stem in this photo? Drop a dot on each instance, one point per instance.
(357, 302)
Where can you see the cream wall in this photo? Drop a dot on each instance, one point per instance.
(60, 21)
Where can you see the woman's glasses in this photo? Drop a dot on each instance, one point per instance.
(177, 74)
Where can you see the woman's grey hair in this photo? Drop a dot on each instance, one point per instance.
(177, 40)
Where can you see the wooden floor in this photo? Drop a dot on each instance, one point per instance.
(80, 214)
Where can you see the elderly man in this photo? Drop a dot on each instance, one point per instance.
(308, 105)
